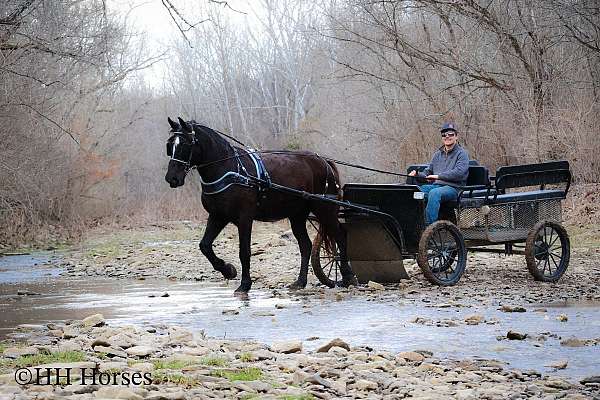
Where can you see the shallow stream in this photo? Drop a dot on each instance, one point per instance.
(37, 294)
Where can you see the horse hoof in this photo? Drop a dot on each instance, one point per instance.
(229, 271)
(241, 295)
(297, 285)
(349, 281)
(242, 289)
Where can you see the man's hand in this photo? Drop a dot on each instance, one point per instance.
(412, 173)
(432, 177)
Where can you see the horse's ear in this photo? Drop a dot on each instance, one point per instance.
(187, 128)
(174, 125)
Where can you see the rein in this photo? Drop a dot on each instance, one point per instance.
(339, 162)
(250, 151)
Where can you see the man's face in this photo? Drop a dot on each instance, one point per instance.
(449, 138)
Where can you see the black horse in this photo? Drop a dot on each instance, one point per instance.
(231, 195)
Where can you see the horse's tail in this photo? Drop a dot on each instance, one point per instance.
(332, 186)
(333, 179)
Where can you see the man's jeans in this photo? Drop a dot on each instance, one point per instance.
(435, 195)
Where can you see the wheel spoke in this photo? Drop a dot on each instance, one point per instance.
(439, 234)
(547, 261)
(554, 241)
(548, 241)
(554, 261)
(433, 244)
(539, 261)
(336, 272)
(559, 256)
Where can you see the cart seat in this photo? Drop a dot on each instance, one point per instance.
(517, 197)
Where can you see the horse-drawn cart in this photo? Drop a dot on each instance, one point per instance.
(374, 226)
(519, 208)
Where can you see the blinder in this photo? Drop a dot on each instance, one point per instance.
(179, 150)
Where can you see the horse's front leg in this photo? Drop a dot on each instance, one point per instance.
(214, 226)
(305, 245)
(245, 234)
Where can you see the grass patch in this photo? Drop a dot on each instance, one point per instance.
(2, 347)
(298, 397)
(246, 374)
(246, 357)
(60, 356)
(215, 361)
(176, 378)
(172, 364)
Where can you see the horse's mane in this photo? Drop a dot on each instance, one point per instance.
(210, 132)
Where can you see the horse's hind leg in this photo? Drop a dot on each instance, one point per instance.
(348, 277)
(214, 226)
(299, 229)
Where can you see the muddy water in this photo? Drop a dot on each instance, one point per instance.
(382, 324)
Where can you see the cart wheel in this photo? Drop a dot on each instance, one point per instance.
(442, 253)
(326, 266)
(547, 251)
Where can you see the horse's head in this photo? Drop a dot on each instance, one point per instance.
(180, 148)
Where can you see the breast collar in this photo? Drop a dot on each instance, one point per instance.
(241, 177)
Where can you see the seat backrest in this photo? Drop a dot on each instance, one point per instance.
(478, 175)
(551, 172)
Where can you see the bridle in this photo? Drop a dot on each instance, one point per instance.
(172, 147)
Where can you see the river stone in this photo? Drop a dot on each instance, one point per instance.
(177, 394)
(140, 351)
(507, 308)
(16, 352)
(112, 365)
(364, 385)
(110, 392)
(338, 351)
(590, 379)
(110, 351)
(465, 394)
(142, 367)
(299, 377)
(70, 332)
(195, 351)
(411, 356)
(573, 342)
(287, 347)
(93, 320)
(474, 319)
(178, 335)
(562, 364)
(557, 384)
(259, 386)
(337, 342)
(375, 285)
(7, 379)
(122, 340)
(512, 335)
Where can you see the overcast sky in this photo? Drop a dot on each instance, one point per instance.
(151, 18)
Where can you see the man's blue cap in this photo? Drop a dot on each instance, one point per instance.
(448, 126)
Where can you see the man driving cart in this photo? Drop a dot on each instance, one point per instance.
(446, 173)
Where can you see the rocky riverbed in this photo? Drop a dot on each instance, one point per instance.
(170, 362)
(171, 251)
(183, 363)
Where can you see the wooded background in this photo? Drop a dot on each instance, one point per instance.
(83, 128)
